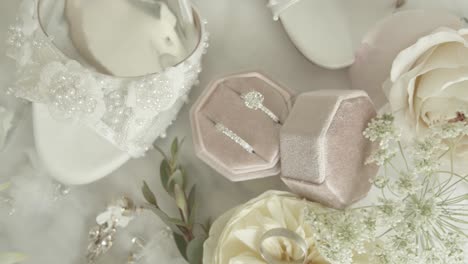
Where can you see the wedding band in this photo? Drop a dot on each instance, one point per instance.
(288, 234)
(234, 137)
(254, 100)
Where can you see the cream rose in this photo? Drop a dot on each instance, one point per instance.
(428, 84)
(235, 235)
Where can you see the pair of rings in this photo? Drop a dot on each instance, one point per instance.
(252, 100)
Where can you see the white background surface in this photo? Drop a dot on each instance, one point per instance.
(243, 37)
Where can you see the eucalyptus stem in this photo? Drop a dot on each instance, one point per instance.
(173, 179)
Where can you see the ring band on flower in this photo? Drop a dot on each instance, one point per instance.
(283, 233)
(234, 137)
(254, 100)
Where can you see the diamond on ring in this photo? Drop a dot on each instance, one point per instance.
(234, 137)
(254, 100)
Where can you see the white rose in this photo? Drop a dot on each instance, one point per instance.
(235, 235)
(429, 82)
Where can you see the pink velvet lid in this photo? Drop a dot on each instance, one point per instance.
(221, 102)
(323, 150)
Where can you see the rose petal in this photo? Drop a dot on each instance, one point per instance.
(449, 55)
(276, 210)
(248, 236)
(406, 58)
(437, 109)
(457, 90)
(245, 258)
(383, 43)
(434, 82)
(407, 85)
(462, 149)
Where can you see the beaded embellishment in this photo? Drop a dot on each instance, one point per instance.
(129, 112)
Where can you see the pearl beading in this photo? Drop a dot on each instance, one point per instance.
(129, 112)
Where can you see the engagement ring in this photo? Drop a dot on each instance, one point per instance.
(254, 100)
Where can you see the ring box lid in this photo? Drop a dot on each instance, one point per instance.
(323, 150)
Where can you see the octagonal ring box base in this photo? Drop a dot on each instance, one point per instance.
(221, 102)
(323, 150)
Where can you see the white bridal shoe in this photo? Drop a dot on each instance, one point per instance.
(102, 89)
(73, 153)
(328, 32)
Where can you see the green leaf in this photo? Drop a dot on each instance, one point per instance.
(191, 197)
(160, 151)
(181, 200)
(195, 250)
(169, 221)
(175, 148)
(4, 186)
(11, 258)
(193, 214)
(207, 226)
(192, 205)
(149, 195)
(165, 174)
(181, 245)
(178, 222)
(176, 178)
(184, 176)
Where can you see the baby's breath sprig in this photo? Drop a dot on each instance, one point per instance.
(174, 180)
(421, 215)
(382, 130)
(339, 235)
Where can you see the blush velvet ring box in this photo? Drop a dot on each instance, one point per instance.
(316, 147)
(222, 102)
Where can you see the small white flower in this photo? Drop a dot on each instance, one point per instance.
(340, 235)
(381, 156)
(451, 130)
(382, 129)
(427, 153)
(380, 181)
(406, 184)
(116, 215)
